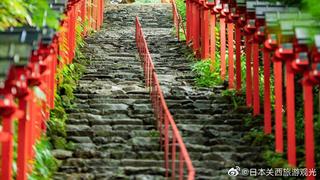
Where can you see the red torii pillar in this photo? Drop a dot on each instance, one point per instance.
(204, 32)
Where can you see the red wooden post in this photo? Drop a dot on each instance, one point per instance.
(248, 71)
(230, 57)
(290, 98)
(72, 34)
(238, 58)
(7, 149)
(84, 16)
(193, 27)
(212, 39)
(278, 106)
(101, 12)
(191, 23)
(89, 4)
(256, 95)
(98, 8)
(188, 24)
(196, 30)
(267, 103)
(95, 13)
(23, 140)
(308, 119)
(33, 117)
(204, 33)
(223, 47)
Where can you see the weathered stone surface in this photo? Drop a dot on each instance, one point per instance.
(61, 154)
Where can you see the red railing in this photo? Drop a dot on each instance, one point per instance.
(165, 122)
(18, 97)
(288, 55)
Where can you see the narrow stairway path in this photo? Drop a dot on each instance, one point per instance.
(211, 128)
(113, 126)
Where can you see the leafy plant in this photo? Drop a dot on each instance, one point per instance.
(41, 14)
(181, 6)
(13, 13)
(67, 79)
(206, 76)
(27, 12)
(44, 163)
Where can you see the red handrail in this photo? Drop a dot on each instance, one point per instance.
(31, 110)
(165, 122)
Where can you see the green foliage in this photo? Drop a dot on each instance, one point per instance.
(181, 6)
(312, 7)
(13, 13)
(274, 159)
(44, 164)
(67, 79)
(153, 133)
(42, 14)
(27, 12)
(207, 74)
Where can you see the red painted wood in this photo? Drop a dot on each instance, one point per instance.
(248, 72)
(196, 30)
(309, 129)
(23, 140)
(205, 34)
(291, 134)
(267, 100)
(212, 39)
(7, 149)
(238, 58)
(278, 106)
(188, 20)
(223, 47)
(230, 57)
(256, 95)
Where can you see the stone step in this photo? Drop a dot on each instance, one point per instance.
(113, 96)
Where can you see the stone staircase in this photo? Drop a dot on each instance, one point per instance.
(113, 126)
